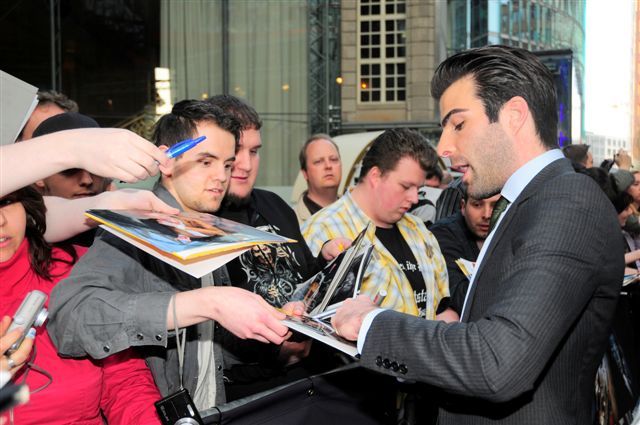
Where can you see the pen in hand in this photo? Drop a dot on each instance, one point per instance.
(183, 146)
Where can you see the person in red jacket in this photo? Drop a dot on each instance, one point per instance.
(63, 391)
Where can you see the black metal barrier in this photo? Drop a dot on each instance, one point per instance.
(348, 395)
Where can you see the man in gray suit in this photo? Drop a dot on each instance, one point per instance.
(536, 316)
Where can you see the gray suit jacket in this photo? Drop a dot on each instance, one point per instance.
(538, 317)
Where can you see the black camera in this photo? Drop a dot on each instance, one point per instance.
(607, 164)
(178, 409)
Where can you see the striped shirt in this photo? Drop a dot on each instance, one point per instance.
(344, 218)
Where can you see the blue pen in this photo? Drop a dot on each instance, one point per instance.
(183, 146)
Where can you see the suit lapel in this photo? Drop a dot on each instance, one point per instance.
(551, 171)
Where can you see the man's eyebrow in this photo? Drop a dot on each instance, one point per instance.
(451, 112)
(202, 155)
(205, 155)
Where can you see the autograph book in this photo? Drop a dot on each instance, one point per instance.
(324, 293)
(195, 243)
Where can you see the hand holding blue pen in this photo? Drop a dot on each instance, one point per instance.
(183, 146)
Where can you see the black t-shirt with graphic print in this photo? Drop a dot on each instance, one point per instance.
(271, 271)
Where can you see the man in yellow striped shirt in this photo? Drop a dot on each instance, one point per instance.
(406, 260)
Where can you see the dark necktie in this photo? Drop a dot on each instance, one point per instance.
(498, 209)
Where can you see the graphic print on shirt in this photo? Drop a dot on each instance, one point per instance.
(271, 270)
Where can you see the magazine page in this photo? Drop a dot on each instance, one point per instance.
(322, 331)
(196, 268)
(339, 280)
(186, 235)
(352, 278)
(196, 243)
(18, 100)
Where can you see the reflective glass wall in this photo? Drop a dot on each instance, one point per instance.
(252, 49)
(103, 54)
(538, 25)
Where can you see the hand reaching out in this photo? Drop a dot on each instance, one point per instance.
(117, 153)
(248, 315)
(135, 199)
(106, 152)
(622, 159)
(348, 318)
(65, 217)
(334, 247)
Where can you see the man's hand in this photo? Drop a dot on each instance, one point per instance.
(293, 308)
(247, 315)
(348, 318)
(132, 199)
(448, 316)
(334, 247)
(116, 153)
(20, 356)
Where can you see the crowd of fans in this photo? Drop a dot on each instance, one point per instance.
(109, 345)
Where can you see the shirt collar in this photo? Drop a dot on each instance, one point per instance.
(523, 175)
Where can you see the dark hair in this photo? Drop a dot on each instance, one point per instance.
(39, 249)
(241, 110)
(576, 153)
(302, 157)
(393, 145)
(435, 171)
(501, 73)
(57, 98)
(181, 123)
(620, 199)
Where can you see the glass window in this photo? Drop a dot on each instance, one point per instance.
(384, 29)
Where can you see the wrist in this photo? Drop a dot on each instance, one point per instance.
(211, 305)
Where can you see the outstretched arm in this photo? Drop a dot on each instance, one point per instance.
(115, 299)
(107, 152)
(65, 217)
(243, 313)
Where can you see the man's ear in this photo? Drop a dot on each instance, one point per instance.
(515, 113)
(374, 175)
(168, 169)
(39, 184)
(305, 175)
(462, 204)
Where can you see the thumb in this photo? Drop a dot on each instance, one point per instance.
(155, 204)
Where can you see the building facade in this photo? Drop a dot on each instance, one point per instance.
(335, 66)
(605, 147)
(555, 29)
(388, 57)
(390, 49)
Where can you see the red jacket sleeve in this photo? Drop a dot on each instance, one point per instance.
(128, 390)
